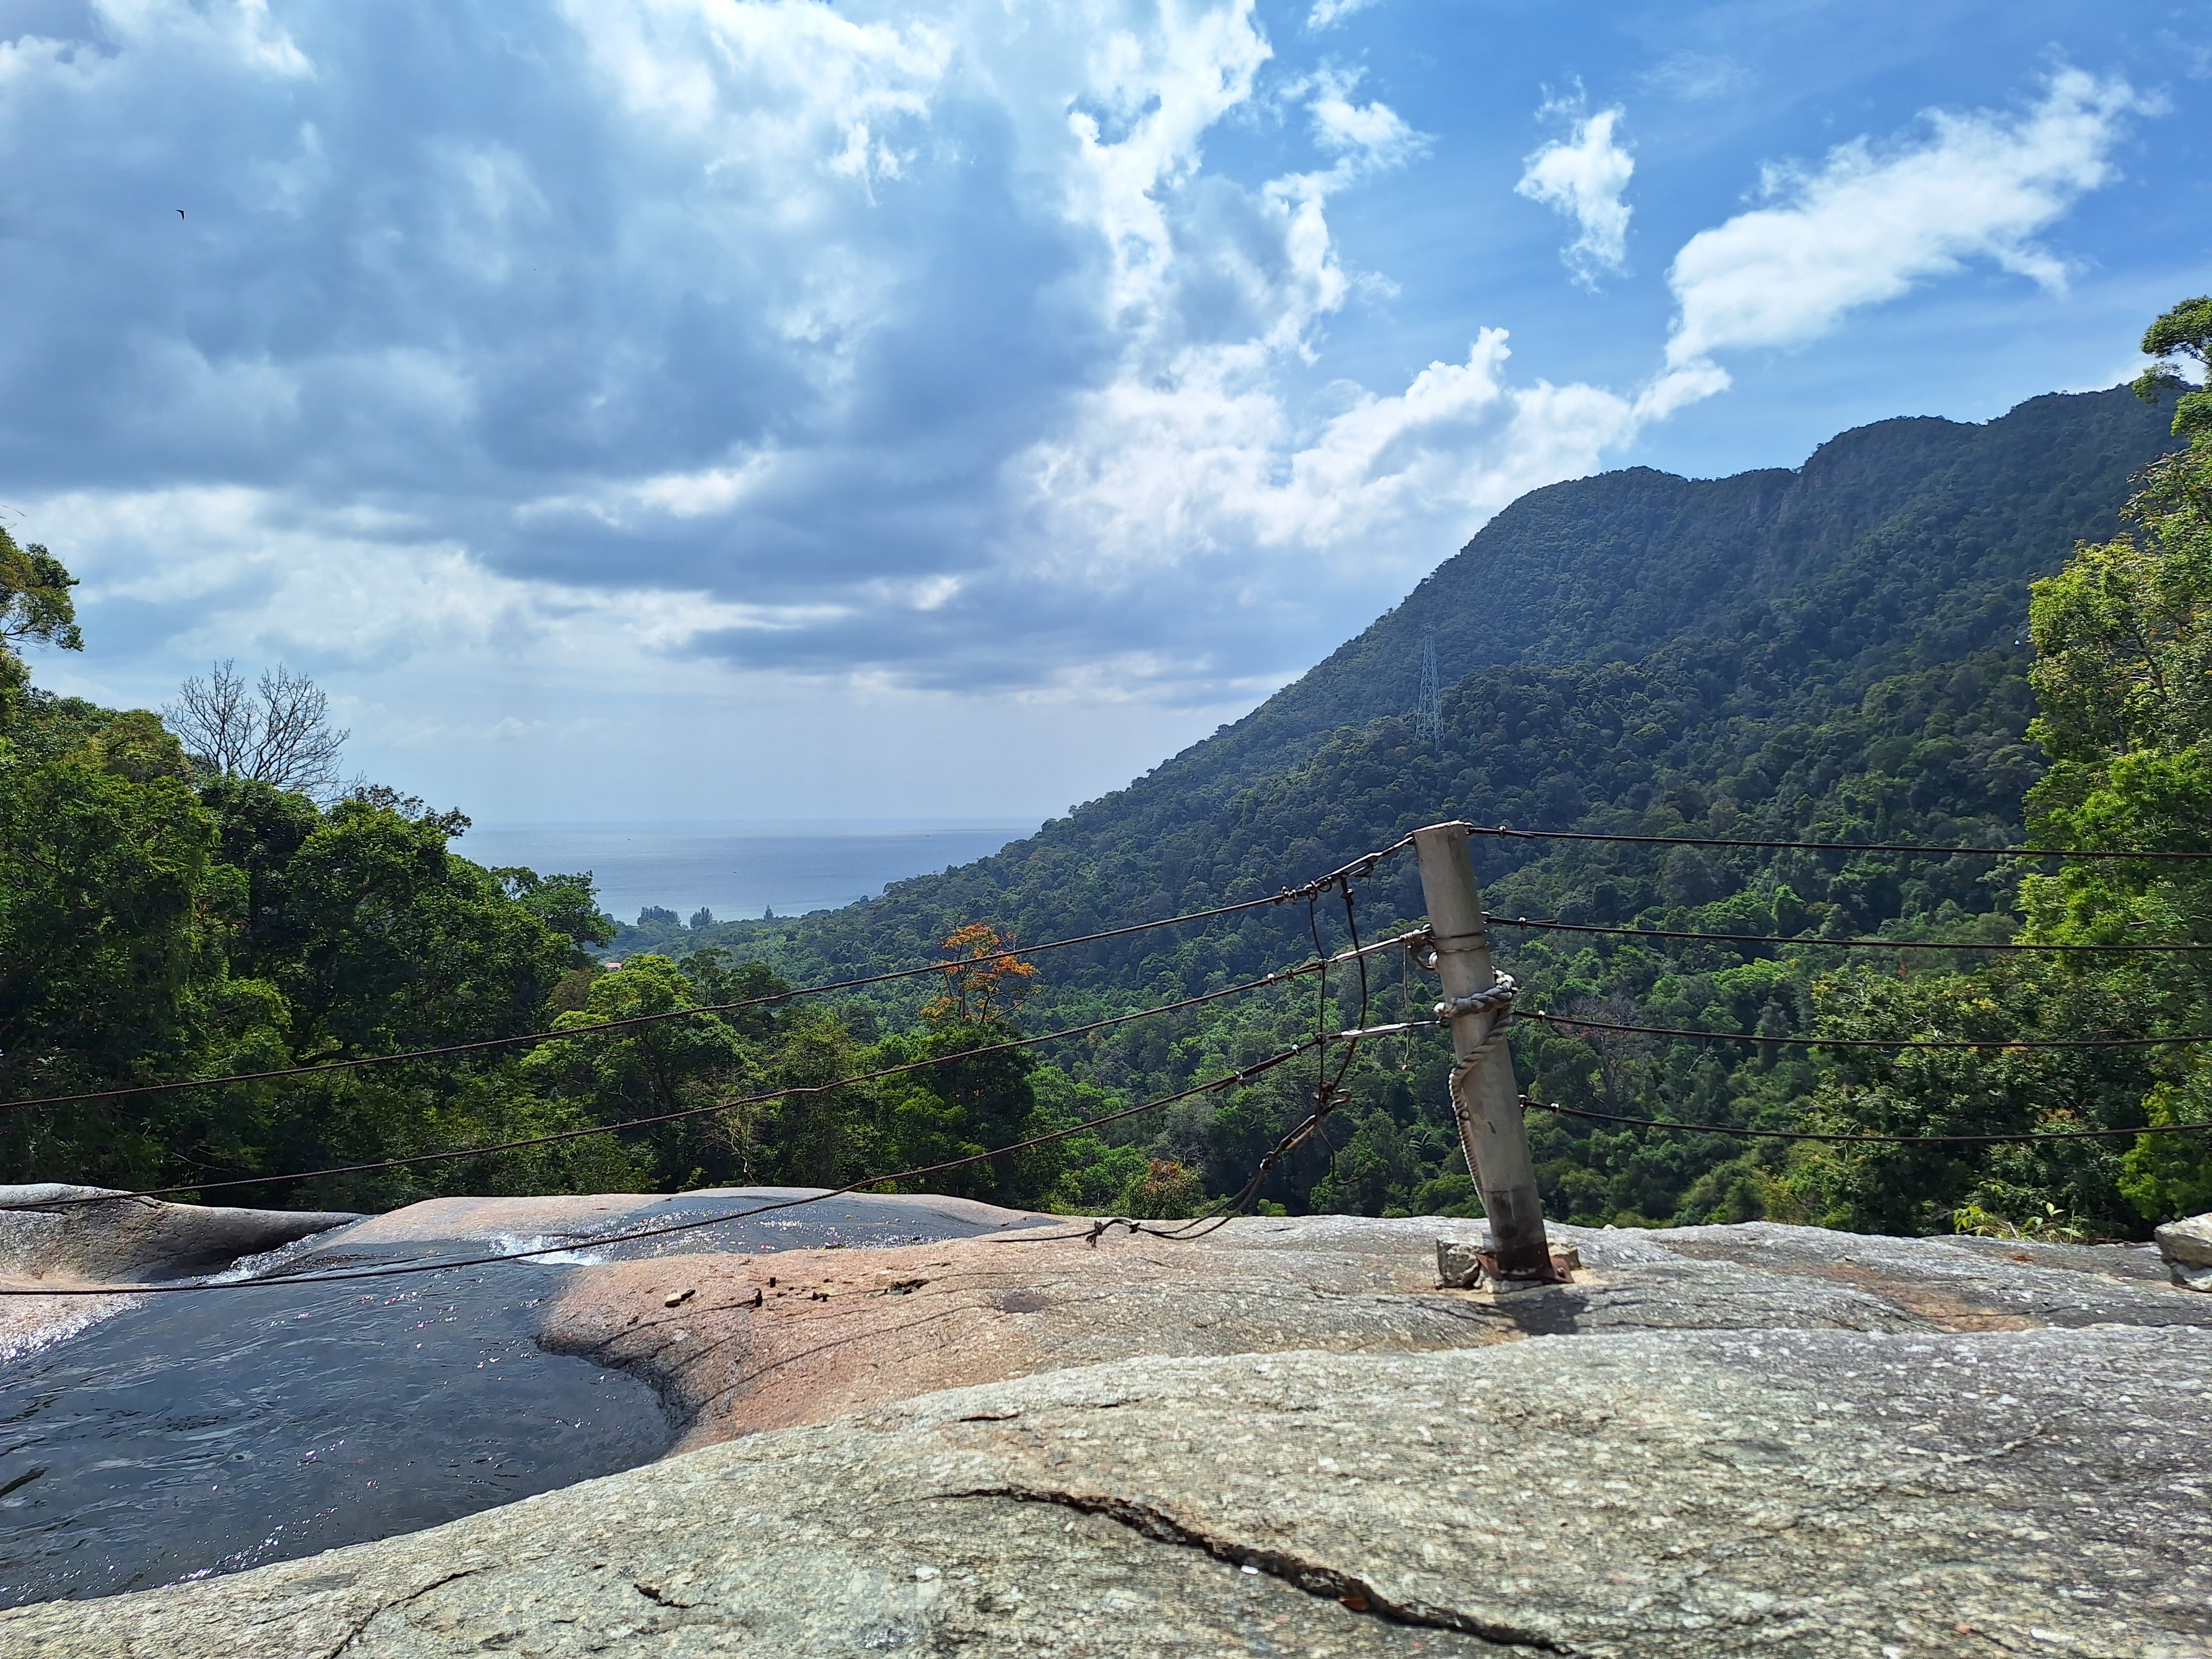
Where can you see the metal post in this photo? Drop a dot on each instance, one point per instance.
(1489, 1107)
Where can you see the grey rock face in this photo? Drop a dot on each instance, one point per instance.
(2186, 1246)
(1755, 1440)
(1655, 1496)
(47, 1231)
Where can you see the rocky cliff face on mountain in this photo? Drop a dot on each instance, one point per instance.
(1284, 1438)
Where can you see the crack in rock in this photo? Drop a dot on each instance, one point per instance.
(370, 1618)
(1324, 1584)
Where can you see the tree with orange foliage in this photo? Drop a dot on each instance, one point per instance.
(979, 1096)
(982, 982)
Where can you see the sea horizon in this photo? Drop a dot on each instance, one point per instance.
(740, 868)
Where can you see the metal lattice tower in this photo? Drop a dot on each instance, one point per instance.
(1429, 712)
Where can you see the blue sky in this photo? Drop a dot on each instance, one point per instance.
(661, 409)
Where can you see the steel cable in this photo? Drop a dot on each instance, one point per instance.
(1548, 926)
(1365, 864)
(1241, 1075)
(1869, 1042)
(1281, 976)
(1504, 833)
(1882, 1140)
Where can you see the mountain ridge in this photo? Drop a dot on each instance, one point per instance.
(1833, 652)
(1902, 546)
(1387, 653)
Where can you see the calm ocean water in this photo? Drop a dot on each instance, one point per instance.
(737, 870)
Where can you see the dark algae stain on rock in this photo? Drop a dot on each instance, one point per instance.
(206, 1432)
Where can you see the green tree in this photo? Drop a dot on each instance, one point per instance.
(34, 607)
(570, 905)
(1995, 1090)
(974, 1099)
(2123, 638)
(667, 1067)
(110, 909)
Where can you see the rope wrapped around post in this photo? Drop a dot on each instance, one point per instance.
(1499, 997)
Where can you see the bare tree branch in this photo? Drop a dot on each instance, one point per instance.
(279, 734)
(214, 720)
(297, 751)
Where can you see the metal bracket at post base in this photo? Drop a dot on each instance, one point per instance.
(1471, 1267)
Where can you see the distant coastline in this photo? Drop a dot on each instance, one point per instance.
(740, 869)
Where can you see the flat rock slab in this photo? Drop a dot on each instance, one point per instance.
(791, 1338)
(1649, 1496)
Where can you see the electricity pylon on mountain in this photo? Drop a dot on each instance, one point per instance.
(1429, 712)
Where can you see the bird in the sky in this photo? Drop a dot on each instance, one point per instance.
(180, 213)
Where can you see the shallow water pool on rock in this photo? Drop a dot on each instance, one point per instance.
(206, 1432)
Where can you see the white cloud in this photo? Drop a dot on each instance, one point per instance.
(1869, 224)
(1204, 471)
(1328, 14)
(1583, 177)
(698, 347)
(645, 346)
(1695, 76)
(1367, 137)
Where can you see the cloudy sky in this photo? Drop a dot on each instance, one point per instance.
(768, 408)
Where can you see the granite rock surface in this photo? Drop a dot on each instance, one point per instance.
(785, 1340)
(1654, 1495)
(1287, 1438)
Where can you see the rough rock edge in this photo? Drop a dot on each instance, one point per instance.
(2186, 1246)
(46, 1244)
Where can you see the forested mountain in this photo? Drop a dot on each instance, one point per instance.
(1905, 543)
(1836, 652)
(1618, 642)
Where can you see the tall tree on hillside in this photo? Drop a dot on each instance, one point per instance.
(2125, 639)
(105, 934)
(974, 1100)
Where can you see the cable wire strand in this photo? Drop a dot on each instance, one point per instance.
(1244, 1074)
(1281, 976)
(1871, 1042)
(1882, 1140)
(1363, 865)
(1504, 833)
(1549, 926)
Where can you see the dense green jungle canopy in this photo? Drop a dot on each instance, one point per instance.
(1841, 652)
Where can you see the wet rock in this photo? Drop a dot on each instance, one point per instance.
(54, 1248)
(2186, 1248)
(48, 1231)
